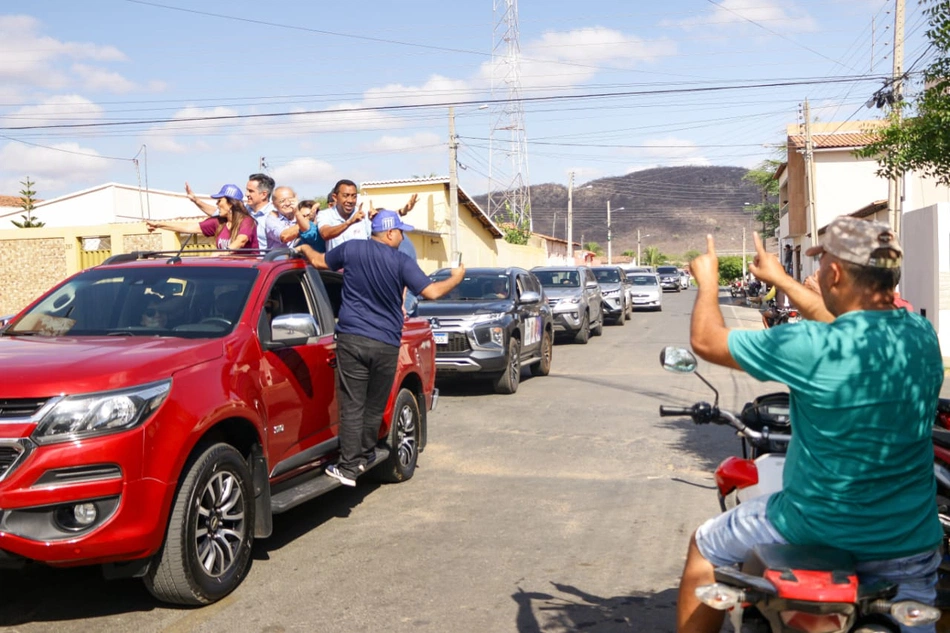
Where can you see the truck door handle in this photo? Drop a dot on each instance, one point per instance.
(331, 360)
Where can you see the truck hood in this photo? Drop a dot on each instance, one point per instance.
(605, 286)
(553, 292)
(463, 308)
(39, 367)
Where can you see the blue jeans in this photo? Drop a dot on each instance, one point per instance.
(726, 539)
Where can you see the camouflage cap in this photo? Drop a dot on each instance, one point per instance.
(860, 242)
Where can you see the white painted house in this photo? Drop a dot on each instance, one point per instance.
(110, 203)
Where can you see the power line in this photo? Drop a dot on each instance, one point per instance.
(404, 107)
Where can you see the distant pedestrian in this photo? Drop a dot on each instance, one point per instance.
(233, 228)
(369, 332)
(787, 259)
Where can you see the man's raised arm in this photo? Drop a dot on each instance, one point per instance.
(438, 288)
(765, 266)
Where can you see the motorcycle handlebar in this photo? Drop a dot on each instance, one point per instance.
(666, 412)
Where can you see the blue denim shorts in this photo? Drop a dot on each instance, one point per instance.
(726, 539)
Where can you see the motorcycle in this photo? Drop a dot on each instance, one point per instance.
(784, 588)
(736, 288)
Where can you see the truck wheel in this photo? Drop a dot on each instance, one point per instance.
(508, 381)
(629, 313)
(405, 430)
(543, 367)
(207, 549)
(622, 318)
(583, 334)
(598, 329)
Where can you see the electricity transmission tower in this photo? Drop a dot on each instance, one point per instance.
(508, 146)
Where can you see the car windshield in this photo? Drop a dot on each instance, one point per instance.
(558, 278)
(668, 270)
(644, 280)
(476, 286)
(607, 275)
(189, 302)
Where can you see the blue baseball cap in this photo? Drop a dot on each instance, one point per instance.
(386, 220)
(230, 191)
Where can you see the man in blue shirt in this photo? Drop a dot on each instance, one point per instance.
(369, 331)
(863, 382)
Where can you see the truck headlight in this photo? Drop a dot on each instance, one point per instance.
(89, 415)
(570, 300)
(498, 336)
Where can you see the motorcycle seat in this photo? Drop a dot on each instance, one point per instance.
(941, 437)
(791, 557)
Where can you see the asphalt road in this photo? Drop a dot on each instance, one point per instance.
(567, 506)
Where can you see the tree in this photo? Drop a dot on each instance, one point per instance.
(767, 211)
(730, 267)
(691, 255)
(653, 257)
(516, 230)
(594, 248)
(27, 202)
(629, 253)
(920, 142)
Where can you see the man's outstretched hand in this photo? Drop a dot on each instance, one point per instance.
(765, 266)
(705, 268)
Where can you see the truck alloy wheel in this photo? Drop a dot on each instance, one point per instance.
(404, 434)
(508, 381)
(543, 366)
(207, 548)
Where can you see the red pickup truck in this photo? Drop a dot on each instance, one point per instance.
(157, 411)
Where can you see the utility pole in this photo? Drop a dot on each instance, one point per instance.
(261, 165)
(638, 248)
(554, 225)
(609, 236)
(454, 182)
(810, 177)
(743, 253)
(894, 185)
(570, 219)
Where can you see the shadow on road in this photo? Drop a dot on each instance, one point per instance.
(45, 594)
(568, 608)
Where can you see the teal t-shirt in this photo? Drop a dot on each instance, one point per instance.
(859, 471)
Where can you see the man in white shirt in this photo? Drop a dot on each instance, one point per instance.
(344, 221)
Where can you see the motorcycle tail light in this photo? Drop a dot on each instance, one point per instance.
(910, 613)
(814, 622)
(719, 596)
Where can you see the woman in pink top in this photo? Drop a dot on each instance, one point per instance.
(233, 227)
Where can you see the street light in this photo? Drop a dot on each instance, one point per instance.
(639, 263)
(610, 235)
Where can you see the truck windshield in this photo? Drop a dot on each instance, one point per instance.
(607, 276)
(196, 302)
(668, 270)
(558, 278)
(644, 280)
(476, 286)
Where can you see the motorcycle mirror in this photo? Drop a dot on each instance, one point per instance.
(678, 360)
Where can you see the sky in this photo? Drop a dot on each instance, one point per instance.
(164, 92)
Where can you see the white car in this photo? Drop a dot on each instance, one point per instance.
(647, 293)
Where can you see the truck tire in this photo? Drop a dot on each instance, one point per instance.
(583, 334)
(598, 329)
(629, 313)
(543, 366)
(507, 383)
(405, 431)
(207, 548)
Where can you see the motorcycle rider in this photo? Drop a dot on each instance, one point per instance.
(863, 380)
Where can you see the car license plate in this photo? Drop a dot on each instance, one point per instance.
(441, 338)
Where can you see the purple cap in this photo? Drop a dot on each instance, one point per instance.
(230, 191)
(385, 220)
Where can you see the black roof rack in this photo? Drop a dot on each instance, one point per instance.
(266, 255)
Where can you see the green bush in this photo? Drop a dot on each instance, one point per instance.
(730, 267)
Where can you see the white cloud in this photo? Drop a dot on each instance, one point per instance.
(668, 152)
(101, 80)
(59, 109)
(435, 89)
(54, 170)
(302, 173)
(421, 142)
(783, 17)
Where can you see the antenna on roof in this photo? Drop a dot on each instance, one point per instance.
(177, 258)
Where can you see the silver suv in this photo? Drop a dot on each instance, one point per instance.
(575, 298)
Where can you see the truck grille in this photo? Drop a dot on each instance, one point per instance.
(9, 455)
(458, 342)
(20, 407)
(553, 302)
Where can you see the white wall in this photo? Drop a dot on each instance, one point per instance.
(114, 204)
(925, 280)
(844, 184)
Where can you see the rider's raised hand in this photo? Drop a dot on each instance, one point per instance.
(765, 266)
(705, 268)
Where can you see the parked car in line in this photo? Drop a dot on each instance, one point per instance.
(613, 288)
(158, 410)
(646, 291)
(575, 298)
(669, 277)
(491, 325)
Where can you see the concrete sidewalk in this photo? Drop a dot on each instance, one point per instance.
(738, 315)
